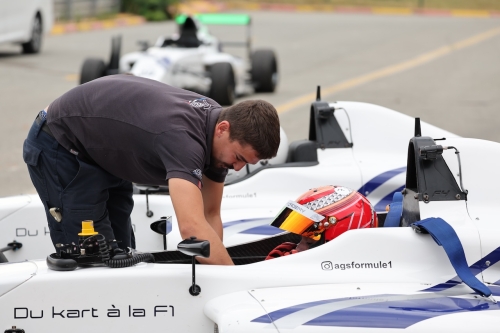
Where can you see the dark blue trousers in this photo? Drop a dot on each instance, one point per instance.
(81, 191)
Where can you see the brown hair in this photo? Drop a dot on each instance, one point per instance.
(254, 122)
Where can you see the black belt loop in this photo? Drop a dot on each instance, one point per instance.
(41, 119)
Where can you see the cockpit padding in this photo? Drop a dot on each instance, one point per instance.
(303, 151)
(241, 254)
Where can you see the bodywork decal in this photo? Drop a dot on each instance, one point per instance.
(388, 311)
(476, 268)
(377, 311)
(259, 226)
(400, 313)
(377, 181)
(380, 206)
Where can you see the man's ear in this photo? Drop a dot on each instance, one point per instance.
(222, 127)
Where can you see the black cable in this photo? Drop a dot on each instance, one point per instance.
(103, 249)
(120, 263)
(459, 167)
(127, 262)
(348, 120)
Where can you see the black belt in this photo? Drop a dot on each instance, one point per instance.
(45, 127)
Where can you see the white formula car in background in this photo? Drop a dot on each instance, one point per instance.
(193, 59)
(371, 280)
(26, 23)
(356, 145)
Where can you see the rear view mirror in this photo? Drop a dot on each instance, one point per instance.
(195, 247)
(163, 227)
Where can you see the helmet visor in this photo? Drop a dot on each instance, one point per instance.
(299, 220)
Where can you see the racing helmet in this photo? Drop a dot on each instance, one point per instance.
(326, 212)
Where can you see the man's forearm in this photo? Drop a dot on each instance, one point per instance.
(218, 253)
(191, 217)
(212, 197)
(216, 223)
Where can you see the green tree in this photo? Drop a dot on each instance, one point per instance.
(152, 10)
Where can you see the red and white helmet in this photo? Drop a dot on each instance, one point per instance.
(331, 210)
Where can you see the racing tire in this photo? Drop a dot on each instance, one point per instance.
(35, 43)
(92, 69)
(222, 89)
(114, 60)
(264, 70)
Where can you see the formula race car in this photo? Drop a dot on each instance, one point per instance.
(357, 145)
(432, 264)
(193, 59)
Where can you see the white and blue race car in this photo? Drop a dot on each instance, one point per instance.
(434, 267)
(194, 59)
(356, 145)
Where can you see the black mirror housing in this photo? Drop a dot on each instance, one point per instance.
(195, 247)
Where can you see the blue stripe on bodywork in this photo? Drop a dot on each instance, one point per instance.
(264, 229)
(275, 315)
(495, 290)
(378, 180)
(476, 268)
(229, 224)
(380, 206)
(383, 314)
(400, 314)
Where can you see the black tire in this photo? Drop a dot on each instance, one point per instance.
(264, 70)
(92, 69)
(222, 89)
(114, 60)
(35, 43)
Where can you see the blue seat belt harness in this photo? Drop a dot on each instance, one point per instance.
(393, 218)
(445, 236)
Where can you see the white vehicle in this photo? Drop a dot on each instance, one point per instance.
(193, 59)
(25, 22)
(349, 144)
(364, 281)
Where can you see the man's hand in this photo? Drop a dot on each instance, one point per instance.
(281, 250)
(189, 209)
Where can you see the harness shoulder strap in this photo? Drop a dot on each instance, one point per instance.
(393, 218)
(445, 236)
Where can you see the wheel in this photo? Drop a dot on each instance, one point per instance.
(114, 60)
(92, 69)
(264, 70)
(35, 42)
(222, 88)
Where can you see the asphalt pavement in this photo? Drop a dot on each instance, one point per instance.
(442, 69)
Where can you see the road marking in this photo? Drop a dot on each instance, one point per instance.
(72, 77)
(470, 13)
(392, 11)
(390, 70)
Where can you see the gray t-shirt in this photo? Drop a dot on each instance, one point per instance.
(138, 129)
